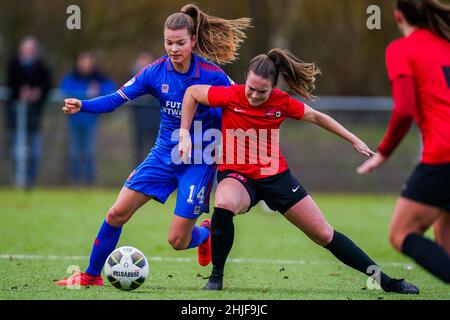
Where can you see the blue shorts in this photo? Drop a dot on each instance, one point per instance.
(157, 179)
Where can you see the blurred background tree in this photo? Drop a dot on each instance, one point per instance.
(331, 33)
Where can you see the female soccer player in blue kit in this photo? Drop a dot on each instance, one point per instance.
(189, 36)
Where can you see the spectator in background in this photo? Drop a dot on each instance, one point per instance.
(145, 116)
(84, 82)
(29, 82)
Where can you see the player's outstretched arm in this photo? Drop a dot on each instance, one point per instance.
(192, 97)
(404, 93)
(102, 104)
(328, 123)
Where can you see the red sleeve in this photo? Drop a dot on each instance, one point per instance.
(405, 103)
(296, 109)
(219, 96)
(397, 60)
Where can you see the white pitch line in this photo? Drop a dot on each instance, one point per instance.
(169, 259)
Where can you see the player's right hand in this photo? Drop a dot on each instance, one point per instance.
(71, 106)
(374, 162)
(185, 145)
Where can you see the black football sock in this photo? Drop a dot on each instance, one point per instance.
(429, 255)
(222, 236)
(350, 254)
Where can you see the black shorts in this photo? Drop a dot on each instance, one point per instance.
(429, 184)
(280, 192)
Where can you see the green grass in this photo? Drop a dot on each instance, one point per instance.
(65, 222)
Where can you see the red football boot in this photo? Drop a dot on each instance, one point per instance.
(81, 279)
(204, 250)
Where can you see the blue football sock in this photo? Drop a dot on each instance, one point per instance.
(104, 244)
(199, 235)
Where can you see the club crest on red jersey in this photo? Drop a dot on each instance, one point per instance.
(273, 113)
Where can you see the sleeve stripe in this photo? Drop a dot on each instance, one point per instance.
(123, 95)
(231, 80)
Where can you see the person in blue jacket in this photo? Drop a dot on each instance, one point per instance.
(84, 82)
(191, 39)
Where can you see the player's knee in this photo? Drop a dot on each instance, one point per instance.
(177, 243)
(324, 237)
(117, 217)
(396, 239)
(398, 234)
(227, 205)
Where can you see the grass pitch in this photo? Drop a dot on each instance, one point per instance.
(47, 233)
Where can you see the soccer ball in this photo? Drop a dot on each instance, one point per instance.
(126, 268)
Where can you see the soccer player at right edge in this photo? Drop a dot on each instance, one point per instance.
(418, 67)
(258, 107)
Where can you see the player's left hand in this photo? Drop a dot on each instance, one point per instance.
(374, 162)
(362, 148)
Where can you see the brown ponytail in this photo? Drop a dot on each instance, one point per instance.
(430, 14)
(299, 75)
(217, 39)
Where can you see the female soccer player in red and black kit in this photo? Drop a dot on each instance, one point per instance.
(257, 110)
(418, 66)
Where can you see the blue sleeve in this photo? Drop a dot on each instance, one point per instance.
(103, 104)
(134, 88)
(223, 80)
(140, 84)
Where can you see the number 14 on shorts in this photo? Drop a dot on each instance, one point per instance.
(200, 195)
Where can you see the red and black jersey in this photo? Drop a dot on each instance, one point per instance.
(425, 57)
(250, 134)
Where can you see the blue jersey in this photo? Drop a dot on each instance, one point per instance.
(158, 176)
(162, 81)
